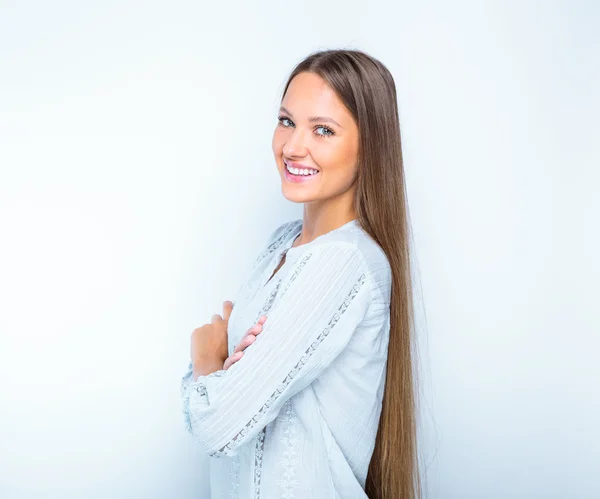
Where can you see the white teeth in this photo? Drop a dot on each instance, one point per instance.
(300, 171)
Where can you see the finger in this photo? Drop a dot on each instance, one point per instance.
(245, 342)
(215, 318)
(253, 331)
(227, 308)
(261, 320)
(232, 359)
(256, 329)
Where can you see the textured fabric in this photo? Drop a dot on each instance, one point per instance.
(297, 416)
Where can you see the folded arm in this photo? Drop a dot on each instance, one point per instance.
(316, 312)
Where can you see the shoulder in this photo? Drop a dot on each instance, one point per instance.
(357, 244)
(330, 268)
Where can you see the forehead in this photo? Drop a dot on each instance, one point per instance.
(308, 94)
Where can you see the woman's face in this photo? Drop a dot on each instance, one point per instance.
(315, 130)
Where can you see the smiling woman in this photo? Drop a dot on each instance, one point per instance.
(316, 400)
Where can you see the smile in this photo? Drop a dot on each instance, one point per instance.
(300, 171)
(296, 175)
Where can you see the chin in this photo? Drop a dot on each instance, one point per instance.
(294, 196)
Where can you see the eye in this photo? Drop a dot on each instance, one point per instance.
(281, 120)
(329, 131)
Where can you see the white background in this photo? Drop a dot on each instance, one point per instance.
(137, 186)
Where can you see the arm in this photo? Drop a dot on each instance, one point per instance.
(273, 242)
(317, 311)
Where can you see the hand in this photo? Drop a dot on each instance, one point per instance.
(209, 343)
(245, 342)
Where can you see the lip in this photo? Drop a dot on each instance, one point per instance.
(298, 178)
(298, 165)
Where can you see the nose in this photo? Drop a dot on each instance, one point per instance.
(295, 144)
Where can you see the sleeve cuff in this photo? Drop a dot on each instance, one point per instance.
(197, 388)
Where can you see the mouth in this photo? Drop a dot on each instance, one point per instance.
(297, 172)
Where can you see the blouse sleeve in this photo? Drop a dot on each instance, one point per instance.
(320, 304)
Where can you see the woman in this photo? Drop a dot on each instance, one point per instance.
(304, 388)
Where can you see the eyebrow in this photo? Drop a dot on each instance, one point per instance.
(315, 118)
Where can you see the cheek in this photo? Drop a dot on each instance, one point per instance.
(343, 156)
(341, 163)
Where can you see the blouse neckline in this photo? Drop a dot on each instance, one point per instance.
(290, 250)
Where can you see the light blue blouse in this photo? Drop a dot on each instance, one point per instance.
(297, 416)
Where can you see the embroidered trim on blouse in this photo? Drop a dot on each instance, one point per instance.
(267, 306)
(234, 477)
(296, 272)
(186, 412)
(260, 442)
(289, 460)
(249, 288)
(186, 389)
(275, 244)
(258, 458)
(200, 386)
(228, 448)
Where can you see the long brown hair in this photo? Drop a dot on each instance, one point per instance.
(367, 89)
